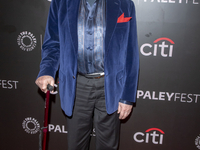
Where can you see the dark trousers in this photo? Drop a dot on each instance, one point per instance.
(90, 109)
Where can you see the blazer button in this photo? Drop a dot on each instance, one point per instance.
(74, 77)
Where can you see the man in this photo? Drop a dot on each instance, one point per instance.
(94, 44)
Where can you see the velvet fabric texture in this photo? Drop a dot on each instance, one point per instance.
(121, 60)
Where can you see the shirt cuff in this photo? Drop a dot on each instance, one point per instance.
(126, 102)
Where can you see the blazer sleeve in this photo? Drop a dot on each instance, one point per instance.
(132, 61)
(51, 47)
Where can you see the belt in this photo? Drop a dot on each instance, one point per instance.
(93, 76)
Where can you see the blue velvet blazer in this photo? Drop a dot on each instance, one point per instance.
(121, 60)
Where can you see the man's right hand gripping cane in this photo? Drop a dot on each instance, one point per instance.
(43, 81)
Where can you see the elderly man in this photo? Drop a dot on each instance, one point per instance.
(94, 45)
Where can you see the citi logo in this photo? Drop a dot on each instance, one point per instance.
(152, 135)
(162, 46)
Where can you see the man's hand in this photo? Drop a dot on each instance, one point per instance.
(43, 81)
(124, 110)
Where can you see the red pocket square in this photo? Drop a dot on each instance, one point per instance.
(121, 19)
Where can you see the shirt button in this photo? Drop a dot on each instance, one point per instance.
(90, 32)
(89, 48)
(74, 77)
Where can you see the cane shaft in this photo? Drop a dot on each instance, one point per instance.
(46, 116)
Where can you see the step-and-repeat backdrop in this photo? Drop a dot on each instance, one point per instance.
(167, 113)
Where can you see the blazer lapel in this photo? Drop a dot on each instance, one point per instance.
(112, 13)
(72, 9)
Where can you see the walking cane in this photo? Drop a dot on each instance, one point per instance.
(42, 144)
